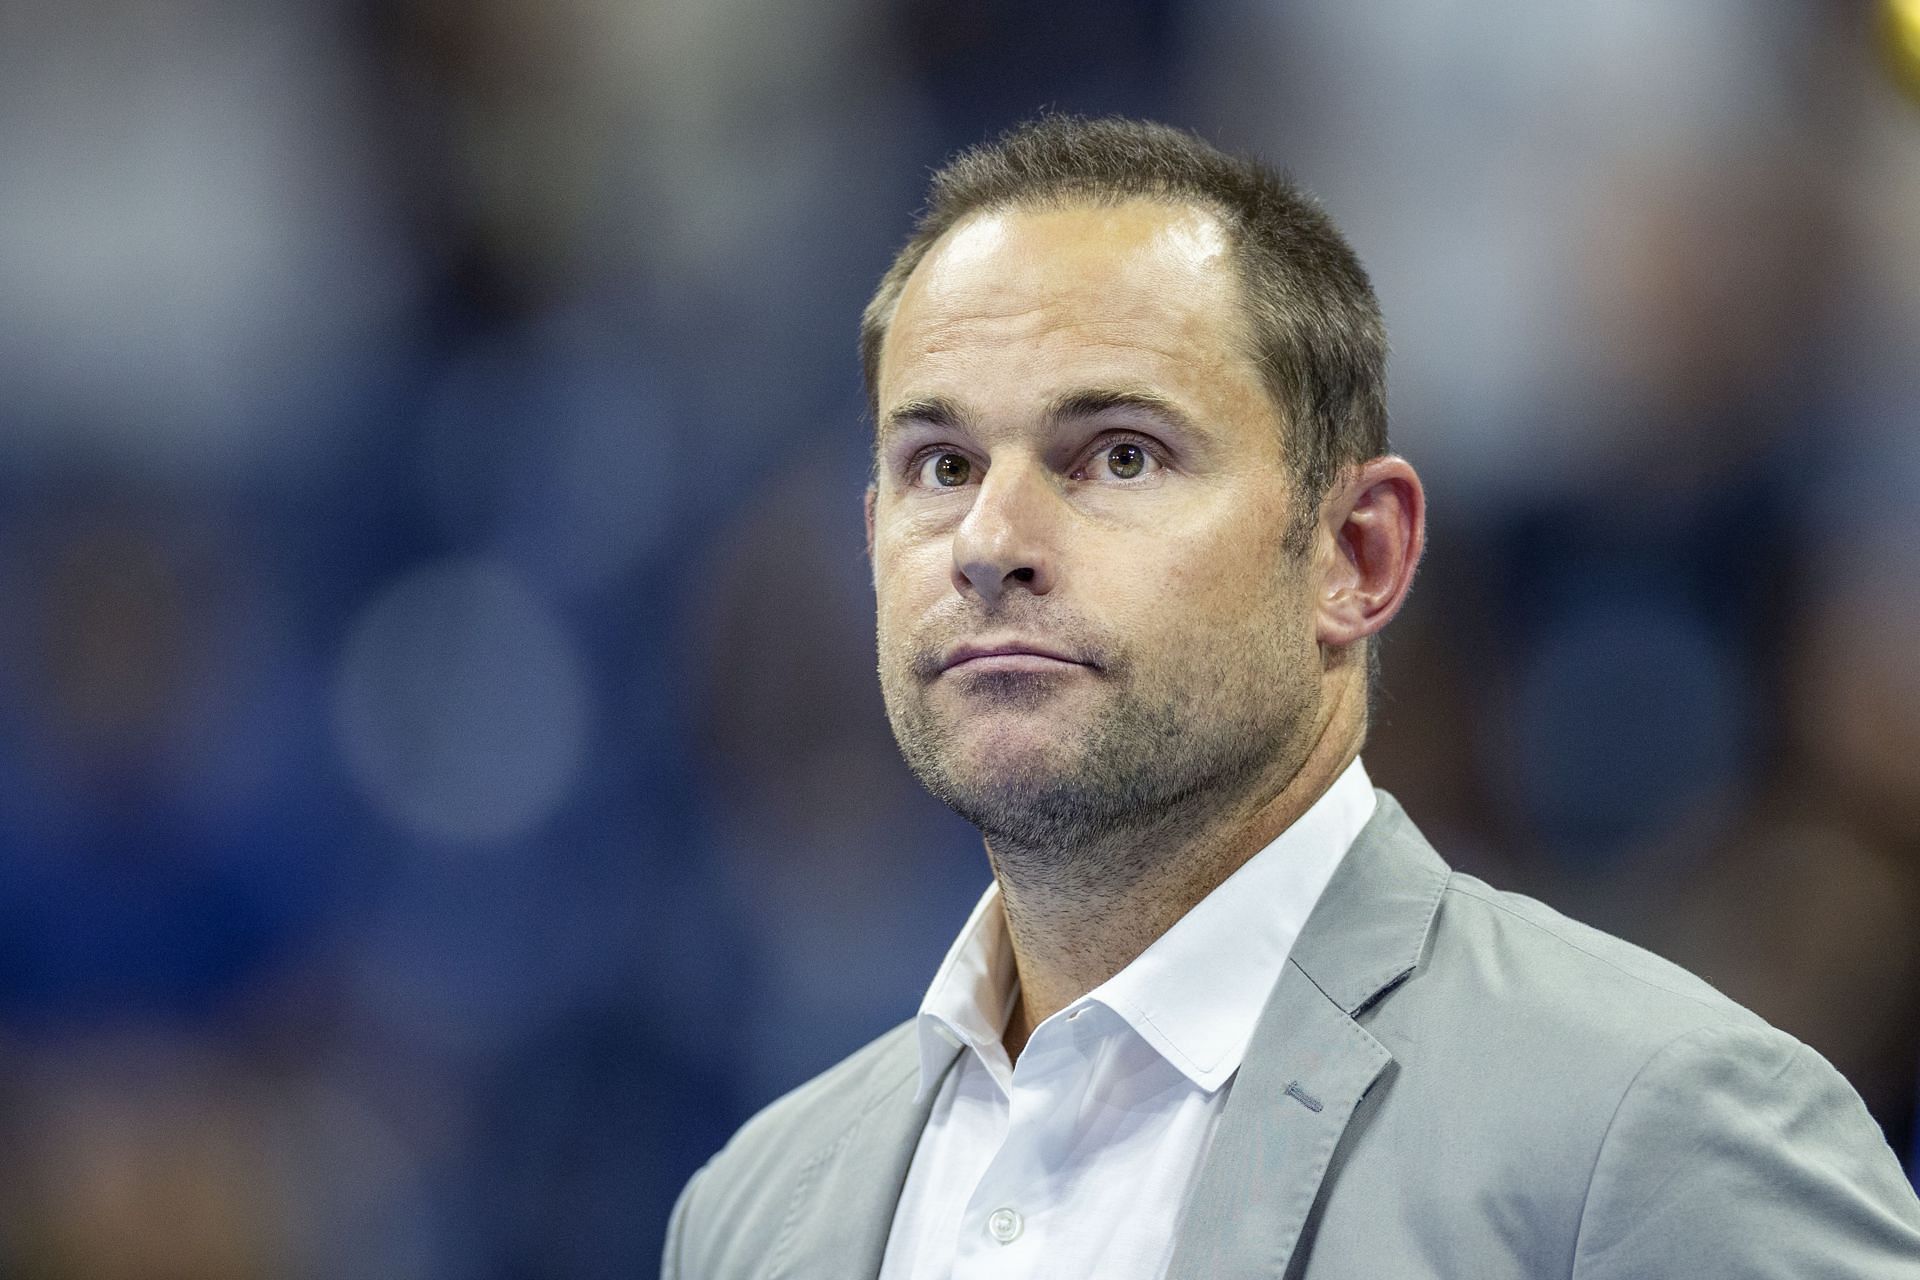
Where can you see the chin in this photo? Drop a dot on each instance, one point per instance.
(982, 750)
(995, 758)
(1000, 795)
(996, 737)
(987, 694)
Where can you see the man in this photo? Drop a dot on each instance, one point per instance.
(1224, 1012)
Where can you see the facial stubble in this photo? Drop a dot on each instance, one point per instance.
(1159, 754)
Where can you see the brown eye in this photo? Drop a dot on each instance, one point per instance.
(1126, 460)
(948, 470)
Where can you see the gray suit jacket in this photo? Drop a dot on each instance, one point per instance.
(1446, 1081)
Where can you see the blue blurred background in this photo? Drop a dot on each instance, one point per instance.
(443, 788)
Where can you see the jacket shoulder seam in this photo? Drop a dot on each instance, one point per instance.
(1725, 1013)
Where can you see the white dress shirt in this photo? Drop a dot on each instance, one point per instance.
(1077, 1160)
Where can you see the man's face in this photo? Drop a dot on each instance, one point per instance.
(1088, 615)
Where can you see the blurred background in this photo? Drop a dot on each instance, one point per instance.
(443, 789)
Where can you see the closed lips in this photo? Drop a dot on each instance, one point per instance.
(1009, 655)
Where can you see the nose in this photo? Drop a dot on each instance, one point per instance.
(1005, 543)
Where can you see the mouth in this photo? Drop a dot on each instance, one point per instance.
(1009, 657)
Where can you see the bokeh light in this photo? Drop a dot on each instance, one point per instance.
(462, 705)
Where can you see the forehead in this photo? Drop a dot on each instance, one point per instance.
(1039, 300)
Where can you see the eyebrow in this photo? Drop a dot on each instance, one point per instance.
(933, 411)
(940, 413)
(1094, 401)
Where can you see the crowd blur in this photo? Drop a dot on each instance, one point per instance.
(443, 787)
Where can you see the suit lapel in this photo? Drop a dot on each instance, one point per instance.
(1310, 1063)
(842, 1208)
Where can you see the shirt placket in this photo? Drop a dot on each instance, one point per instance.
(1004, 1228)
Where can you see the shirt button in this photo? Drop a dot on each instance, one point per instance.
(1004, 1225)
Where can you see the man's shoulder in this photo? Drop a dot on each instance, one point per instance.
(1611, 1113)
(1425, 954)
(812, 1117)
(735, 1209)
(1548, 966)
(1527, 1029)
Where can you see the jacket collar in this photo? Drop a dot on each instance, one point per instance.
(1370, 927)
(1311, 1065)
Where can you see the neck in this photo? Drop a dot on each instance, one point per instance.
(1076, 921)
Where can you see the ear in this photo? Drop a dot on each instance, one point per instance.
(1374, 526)
(868, 504)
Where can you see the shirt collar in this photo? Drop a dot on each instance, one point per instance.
(1196, 993)
(972, 995)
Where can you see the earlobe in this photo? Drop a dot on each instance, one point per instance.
(1379, 529)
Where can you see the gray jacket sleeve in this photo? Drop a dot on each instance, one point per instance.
(1739, 1152)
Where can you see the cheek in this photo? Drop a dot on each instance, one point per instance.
(1235, 589)
(1222, 566)
(906, 582)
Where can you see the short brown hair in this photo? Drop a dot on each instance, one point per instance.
(1317, 333)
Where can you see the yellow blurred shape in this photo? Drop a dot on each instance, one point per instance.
(1901, 29)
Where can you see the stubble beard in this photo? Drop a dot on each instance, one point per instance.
(1157, 760)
